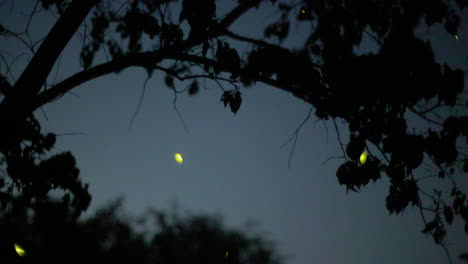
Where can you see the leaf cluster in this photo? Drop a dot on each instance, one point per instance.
(233, 98)
(31, 173)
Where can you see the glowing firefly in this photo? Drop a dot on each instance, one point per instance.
(363, 158)
(456, 36)
(227, 254)
(303, 11)
(178, 158)
(19, 250)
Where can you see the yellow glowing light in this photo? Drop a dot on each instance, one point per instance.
(19, 250)
(178, 158)
(303, 11)
(363, 158)
(456, 36)
(227, 254)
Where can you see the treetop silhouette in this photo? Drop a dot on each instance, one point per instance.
(373, 93)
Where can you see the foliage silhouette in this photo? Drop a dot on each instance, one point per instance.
(51, 236)
(373, 93)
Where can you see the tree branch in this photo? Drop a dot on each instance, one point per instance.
(256, 42)
(339, 139)
(149, 59)
(249, 40)
(29, 83)
(188, 77)
(420, 114)
(143, 59)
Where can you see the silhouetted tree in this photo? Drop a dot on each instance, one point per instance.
(371, 92)
(111, 237)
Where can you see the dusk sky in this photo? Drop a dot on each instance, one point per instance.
(234, 164)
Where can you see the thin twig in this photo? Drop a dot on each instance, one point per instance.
(424, 117)
(139, 103)
(295, 136)
(178, 113)
(31, 16)
(334, 157)
(71, 134)
(339, 139)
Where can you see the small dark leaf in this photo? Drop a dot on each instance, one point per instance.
(193, 88)
(2, 29)
(87, 56)
(464, 213)
(169, 80)
(150, 25)
(439, 234)
(205, 47)
(429, 227)
(441, 174)
(226, 97)
(448, 214)
(457, 204)
(49, 141)
(235, 102)
(279, 29)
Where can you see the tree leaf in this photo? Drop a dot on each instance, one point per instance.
(169, 81)
(235, 102)
(448, 214)
(441, 174)
(464, 213)
(430, 226)
(439, 234)
(193, 88)
(226, 98)
(205, 47)
(457, 204)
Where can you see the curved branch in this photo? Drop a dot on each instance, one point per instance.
(36, 72)
(138, 59)
(256, 42)
(420, 114)
(188, 77)
(143, 59)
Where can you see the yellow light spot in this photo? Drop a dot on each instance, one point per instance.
(363, 158)
(178, 158)
(227, 254)
(456, 36)
(303, 11)
(19, 250)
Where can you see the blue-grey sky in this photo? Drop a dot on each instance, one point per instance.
(233, 164)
